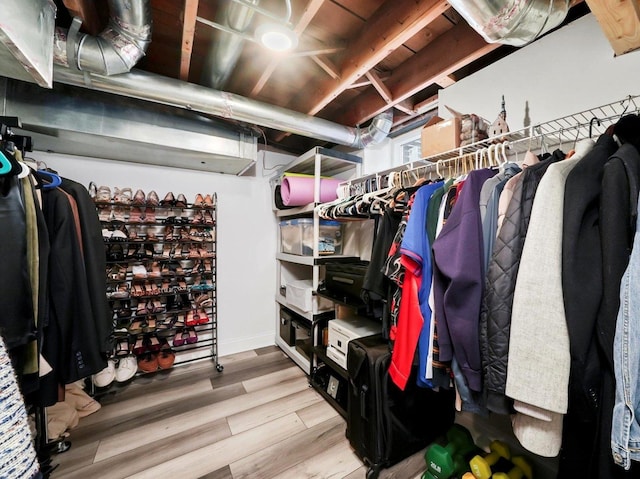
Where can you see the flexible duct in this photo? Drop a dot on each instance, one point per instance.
(116, 49)
(513, 22)
(168, 91)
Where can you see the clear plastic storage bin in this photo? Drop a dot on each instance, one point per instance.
(296, 236)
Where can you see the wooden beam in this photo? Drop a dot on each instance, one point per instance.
(429, 102)
(390, 26)
(319, 51)
(620, 22)
(87, 12)
(358, 84)
(463, 45)
(446, 80)
(303, 22)
(326, 65)
(406, 107)
(379, 85)
(188, 32)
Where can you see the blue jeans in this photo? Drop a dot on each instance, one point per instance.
(625, 431)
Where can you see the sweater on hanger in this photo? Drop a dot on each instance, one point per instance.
(459, 280)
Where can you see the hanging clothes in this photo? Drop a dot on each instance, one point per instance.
(459, 278)
(539, 359)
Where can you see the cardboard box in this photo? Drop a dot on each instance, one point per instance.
(440, 135)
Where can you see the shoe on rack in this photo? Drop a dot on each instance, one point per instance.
(168, 200)
(103, 195)
(148, 362)
(139, 199)
(135, 216)
(127, 368)
(104, 213)
(122, 196)
(105, 377)
(150, 215)
(199, 201)
(139, 271)
(208, 201)
(192, 336)
(181, 201)
(152, 199)
(166, 356)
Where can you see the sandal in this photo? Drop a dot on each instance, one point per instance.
(155, 270)
(208, 218)
(121, 292)
(136, 326)
(166, 287)
(117, 215)
(168, 233)
(138, 290)
(104, 213)
(150, 326)
(140, 346)
(103, 195)
(195, 235)
(122, 196)
(194, 252)
(122, 346)
(139, 271)
(197, 218)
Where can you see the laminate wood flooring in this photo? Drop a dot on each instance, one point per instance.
(258, 419)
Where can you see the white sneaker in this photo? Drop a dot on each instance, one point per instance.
(127, 368)
(106, 376)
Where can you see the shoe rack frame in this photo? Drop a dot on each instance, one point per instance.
(186, 281)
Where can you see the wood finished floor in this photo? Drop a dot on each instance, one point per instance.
(258, 419)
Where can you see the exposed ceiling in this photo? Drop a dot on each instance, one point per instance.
(355, 58)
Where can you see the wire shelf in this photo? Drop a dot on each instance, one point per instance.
(547, 136)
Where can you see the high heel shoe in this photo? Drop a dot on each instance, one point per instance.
(139, 199)
(150, 215)
(135, 216)
(155, 272)
(181, 337)
(181, 201)
(168, 200)
(199, 201)
(208, 218)
(140, 346)
(104, 213)
(208, 201)
(192, 319)
(192, 336)
(152, 198)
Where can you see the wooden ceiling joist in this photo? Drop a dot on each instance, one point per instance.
(379, 85)
(326, 65)
(87, 12)
(423, 69)
(446, 80)
(188, 32)
(303, 22)
(389, 27)
(620, 22)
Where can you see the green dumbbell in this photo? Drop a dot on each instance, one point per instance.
(481, 466)
(521, 468)
(445, 461)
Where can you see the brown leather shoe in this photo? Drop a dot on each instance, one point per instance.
(166, 357)
(148, 362)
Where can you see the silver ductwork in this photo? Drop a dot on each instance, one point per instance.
(512, 22)
(116, 49)
(168, 91)
(225, 48)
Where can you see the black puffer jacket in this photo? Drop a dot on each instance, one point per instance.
(495, 319)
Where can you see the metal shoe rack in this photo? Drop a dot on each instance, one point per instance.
(165, 259)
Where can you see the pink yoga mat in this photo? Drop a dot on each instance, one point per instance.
(298, 190)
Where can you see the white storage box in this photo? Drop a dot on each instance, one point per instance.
(300, 294)
(342, 331)
(296, 236)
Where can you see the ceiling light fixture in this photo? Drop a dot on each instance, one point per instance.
(277, 37)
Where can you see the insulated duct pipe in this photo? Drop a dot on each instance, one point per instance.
(116, 49)
(168, 91)
(225, 48)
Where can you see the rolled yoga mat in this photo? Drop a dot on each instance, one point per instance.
(298, 190)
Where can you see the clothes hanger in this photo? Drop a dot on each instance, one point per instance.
(54, 180)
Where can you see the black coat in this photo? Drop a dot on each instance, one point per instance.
(582, 281)
(94, 259)
(70, 340)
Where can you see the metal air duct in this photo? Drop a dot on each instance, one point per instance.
(116, 49)
(512, 22)
(225, 48)
(168, 91)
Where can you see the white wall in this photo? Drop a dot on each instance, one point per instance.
(246, 237)
(569, 70)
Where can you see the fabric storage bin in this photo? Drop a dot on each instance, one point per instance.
(300, 294)
(296, 236)
(302, 332)
(286, 327)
